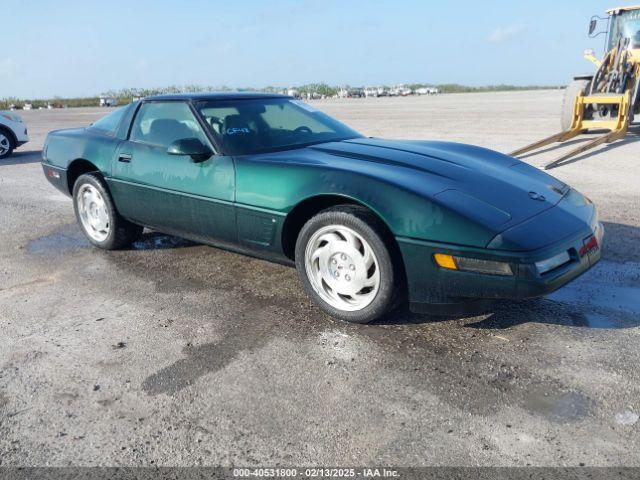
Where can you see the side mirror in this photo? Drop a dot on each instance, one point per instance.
(592, 25)
(193, 147)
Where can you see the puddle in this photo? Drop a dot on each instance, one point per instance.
(64, 239)
(159, 241)
(69, 237)
(559, 408)
(608, 286)
(595, 320)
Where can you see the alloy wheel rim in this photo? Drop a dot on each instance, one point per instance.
(342, 268)
(4, 144)
(93, 212)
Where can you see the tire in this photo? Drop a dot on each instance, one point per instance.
(7, 144)
(568, 102)
(97, 216)
(342, 249)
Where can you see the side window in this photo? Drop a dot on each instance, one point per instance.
(109, 124)
(162, 123)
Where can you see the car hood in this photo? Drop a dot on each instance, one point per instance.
(9, 115)
(496, 190)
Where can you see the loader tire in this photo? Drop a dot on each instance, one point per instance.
(570, 94)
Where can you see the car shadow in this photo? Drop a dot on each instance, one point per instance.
(151, 240)
(22, 158)
(551, 312)
(507, 314)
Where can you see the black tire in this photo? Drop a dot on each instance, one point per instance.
(369, 226)
(12, 144)
(121, 232)
(568, 102)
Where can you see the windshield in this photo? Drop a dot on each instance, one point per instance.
(626, 24)
(269, 124)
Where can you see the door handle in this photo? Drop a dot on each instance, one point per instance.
(124, 157)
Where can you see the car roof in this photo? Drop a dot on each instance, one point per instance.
(215, 96)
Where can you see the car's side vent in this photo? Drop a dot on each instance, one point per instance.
(255, 228)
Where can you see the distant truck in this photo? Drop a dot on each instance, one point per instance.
(108, 101)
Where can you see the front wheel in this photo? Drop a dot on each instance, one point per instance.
(101, 223)
(345, 265)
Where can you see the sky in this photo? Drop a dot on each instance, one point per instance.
(74, 48)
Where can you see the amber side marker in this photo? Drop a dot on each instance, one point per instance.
(445, 261)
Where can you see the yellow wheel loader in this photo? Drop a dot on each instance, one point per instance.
(608, 99)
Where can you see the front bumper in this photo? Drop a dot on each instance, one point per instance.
(22, 136)
(19, 130)
(430, 286)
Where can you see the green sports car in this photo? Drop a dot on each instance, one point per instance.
(370, 224)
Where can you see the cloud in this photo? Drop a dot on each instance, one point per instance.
(502, 34)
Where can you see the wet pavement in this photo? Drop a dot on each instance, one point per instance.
(174, 353)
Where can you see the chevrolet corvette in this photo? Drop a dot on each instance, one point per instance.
(370, 224)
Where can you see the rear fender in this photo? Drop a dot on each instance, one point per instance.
(66, 146)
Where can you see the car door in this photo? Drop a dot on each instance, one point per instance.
(173, 193)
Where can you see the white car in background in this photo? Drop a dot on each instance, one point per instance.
(427, 91)
(13, 133)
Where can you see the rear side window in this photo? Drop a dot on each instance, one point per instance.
(108, 125)
(161, 124)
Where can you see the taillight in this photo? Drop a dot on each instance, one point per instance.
(590, 246)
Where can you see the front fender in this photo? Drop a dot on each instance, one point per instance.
(278, 183)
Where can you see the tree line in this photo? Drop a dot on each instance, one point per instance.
(126, 95)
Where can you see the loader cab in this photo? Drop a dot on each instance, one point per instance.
(624, 23)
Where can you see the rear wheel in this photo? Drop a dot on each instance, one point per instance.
(345, 265)
(6, 144)
(570, 94)
(96, 214)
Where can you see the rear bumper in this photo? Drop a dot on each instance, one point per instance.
(430, 285)
(57, 177)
